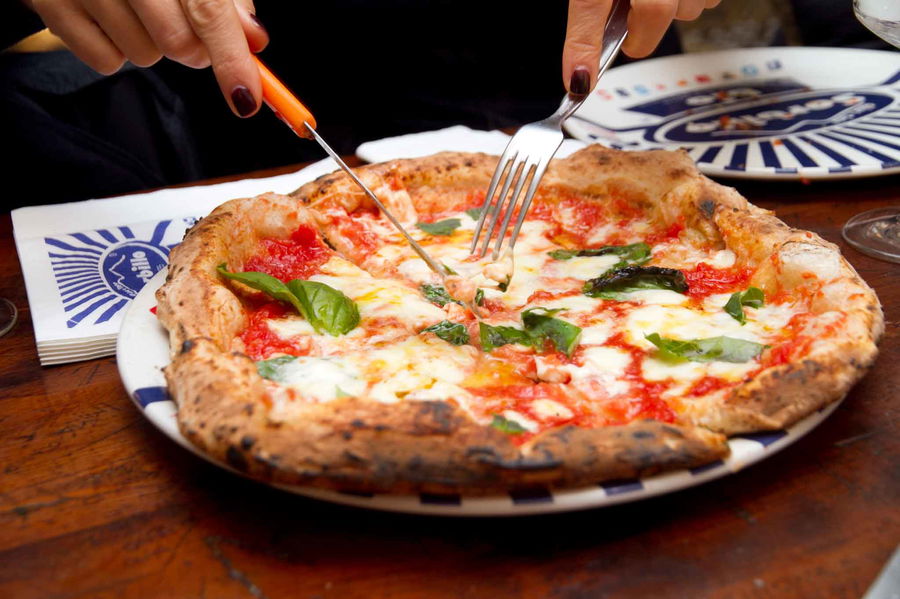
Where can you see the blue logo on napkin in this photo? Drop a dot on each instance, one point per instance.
(100, 271)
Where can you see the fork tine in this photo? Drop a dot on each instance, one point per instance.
(502, 164)
(511, 177)
(526, 203)
(527, 168)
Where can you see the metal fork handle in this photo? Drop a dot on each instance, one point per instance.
(614, 35)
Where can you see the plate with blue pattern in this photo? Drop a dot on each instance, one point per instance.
(756, 113)
(143, 351)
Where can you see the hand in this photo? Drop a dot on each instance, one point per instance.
(196, 33)
(647, 22)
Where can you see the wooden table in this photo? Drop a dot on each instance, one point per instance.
(95, 502)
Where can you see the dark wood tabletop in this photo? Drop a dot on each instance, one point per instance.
(96, 502)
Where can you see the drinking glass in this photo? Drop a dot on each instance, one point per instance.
(877, 232)
(8, 316)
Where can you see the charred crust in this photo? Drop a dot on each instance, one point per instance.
(707, 207)
(247, 441)
(235, 458)
(187, 346)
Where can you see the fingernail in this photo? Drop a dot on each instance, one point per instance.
(255, 20)
(580, 83)
(243, 101)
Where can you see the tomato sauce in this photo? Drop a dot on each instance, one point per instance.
(259, 340)
(297, 257)
(704, 280)
(645, 400)
(707, 385)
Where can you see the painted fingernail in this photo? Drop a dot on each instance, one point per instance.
(243, 101)
(580, 83)
(257, 23)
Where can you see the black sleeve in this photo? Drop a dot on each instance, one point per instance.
(18, 22)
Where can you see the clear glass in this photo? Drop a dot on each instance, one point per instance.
(877, 232)
(8, 316)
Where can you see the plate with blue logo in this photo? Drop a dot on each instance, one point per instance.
(143, 352)
(756, 113)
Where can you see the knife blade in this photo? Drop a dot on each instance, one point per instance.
(295, 115)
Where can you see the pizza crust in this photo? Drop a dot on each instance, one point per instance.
(433, 446)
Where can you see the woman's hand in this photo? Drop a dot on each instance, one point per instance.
(196, 33)
(647, 22)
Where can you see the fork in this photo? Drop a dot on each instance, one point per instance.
(528, 153)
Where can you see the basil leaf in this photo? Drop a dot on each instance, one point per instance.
(752, 297)
(474, 213)
(441, 227)
(339, 393)
(449, 270)
(265, 283)
(271, 368)
(711, 349)
(326, 308)
(540, 325)
(452, 332)
(635, 253)
(479, 296)
(504, 285)
(505, 425)
(633, 278)
(496, 336)
(437, 295)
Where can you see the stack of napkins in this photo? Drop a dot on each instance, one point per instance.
(84, 262)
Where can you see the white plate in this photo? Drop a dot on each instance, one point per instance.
(143, 350)
(760, 113)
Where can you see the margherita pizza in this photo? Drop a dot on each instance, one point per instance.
(645, 314)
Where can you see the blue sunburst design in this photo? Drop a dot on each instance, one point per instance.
(99, 272)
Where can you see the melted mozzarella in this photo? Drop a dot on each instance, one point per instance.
(581, 267)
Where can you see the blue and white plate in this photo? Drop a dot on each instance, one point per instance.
(143, 351)
(758, 113)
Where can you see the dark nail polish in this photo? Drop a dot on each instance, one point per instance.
(580, 83)
(243, 101)
(257, 23)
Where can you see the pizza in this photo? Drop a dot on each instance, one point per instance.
(645, 314)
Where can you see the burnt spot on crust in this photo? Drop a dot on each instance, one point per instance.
(675, 432)
(249, 408)
(187, 346)
(235, 458)
(358, 423)
(642, 434)
(247, 441)
(434, 417)
(708, 208)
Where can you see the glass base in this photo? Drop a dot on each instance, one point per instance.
(8, 316)
(876, 233)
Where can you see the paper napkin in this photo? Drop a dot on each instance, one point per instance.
(83, 262)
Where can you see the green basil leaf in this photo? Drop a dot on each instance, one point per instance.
(495, 336)
(635, 253)
(504, 285)
(339, 393)
(752, 297)
(505, 425)
(540, 325)
(452, 332)
(265, 283)
(271, 368)
(479, 296)
(441, 227)
(437, 295)
(327, 309)
(711, 349)
(474, 213)
(449, 270)
(633, 278)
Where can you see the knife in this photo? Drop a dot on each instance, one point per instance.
(295, 115)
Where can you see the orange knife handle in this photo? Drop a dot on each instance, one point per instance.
(283, 103)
